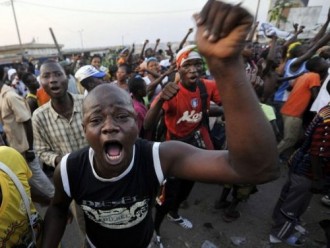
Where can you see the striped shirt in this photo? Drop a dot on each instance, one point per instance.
(54, 135)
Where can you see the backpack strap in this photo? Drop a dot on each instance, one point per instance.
(23, 194)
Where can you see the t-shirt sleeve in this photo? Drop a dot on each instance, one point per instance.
(314, 81)
(213, 91)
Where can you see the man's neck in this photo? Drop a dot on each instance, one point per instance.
(62, 104)
(190, 87)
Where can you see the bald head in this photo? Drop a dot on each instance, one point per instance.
(107, 94)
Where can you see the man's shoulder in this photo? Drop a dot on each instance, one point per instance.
(78, 154)
(209, 84)
(42, 110)
(208, 81)
(9, 92)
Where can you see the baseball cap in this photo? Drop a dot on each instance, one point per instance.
(87, 71)
(187, 53)
(11, 72)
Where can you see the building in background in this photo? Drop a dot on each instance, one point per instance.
(284, 13)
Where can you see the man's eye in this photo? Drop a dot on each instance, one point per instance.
(45, 76)
(122, 117)
(95, 120)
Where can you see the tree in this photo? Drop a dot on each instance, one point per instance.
(276, 13)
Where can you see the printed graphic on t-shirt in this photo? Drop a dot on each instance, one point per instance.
(120, 217)
(194, 102)
(191, 117)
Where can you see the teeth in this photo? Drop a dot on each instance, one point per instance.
(113, 157)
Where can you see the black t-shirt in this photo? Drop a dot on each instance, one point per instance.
(117, 211)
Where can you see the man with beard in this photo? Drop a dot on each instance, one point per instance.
(116, 179)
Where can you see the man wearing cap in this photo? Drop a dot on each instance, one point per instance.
(186, 120)
(16, 83)
(89, 77)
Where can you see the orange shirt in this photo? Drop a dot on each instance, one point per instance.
(301, 94)
(42, 96)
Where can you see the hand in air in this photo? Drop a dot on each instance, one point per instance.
(222, 29)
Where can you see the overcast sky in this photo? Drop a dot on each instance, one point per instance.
(97, 23)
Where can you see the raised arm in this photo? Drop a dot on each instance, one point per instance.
(190, 30)
(143, 48)
(156, 45)
(321, 32)
(130, 55)
(252, 153)
(311, 51)
(170, 90)
(56, 215)
(169, 51)
(153, 85)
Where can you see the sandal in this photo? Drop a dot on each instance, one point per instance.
(183, 222)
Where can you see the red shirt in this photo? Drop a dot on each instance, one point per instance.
(183, 113)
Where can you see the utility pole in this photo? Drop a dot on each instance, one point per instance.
(17, 29)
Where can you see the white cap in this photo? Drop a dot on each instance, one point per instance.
(11, 72)
(87, 71)
(187, 53)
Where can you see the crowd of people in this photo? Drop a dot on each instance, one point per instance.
(124, 142)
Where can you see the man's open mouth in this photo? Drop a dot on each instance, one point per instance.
(113, 150)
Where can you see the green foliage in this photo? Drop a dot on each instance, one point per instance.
(276, 13)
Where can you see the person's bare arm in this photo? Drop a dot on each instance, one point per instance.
(29, 133)
(153, 85)
(156, 45)
(56, 215)
(170, 90)
(311, 51)
(143, 48)
(169, 52)
(298, 30)
(252, 153)
(190, 30)
(321, 32)
(130, 55)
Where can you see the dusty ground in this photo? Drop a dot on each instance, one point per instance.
(253, 226)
